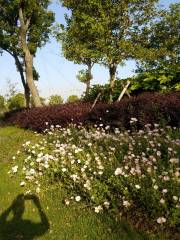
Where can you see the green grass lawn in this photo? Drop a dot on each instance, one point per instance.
(45, 216)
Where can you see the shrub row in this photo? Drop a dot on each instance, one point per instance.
(148, 108)
(36, 118)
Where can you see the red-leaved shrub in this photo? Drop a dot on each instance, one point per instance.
(148, 108)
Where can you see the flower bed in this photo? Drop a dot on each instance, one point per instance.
(128, 174)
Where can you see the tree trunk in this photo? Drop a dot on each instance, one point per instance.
(21, 72)
(25, 85)
(87, 86)
(27, 96)
(112, 74)
(28, 58)
(29, 78)
(89, 76)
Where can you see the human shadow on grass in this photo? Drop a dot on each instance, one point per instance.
(19, 228)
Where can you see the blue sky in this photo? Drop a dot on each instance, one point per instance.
(57, 75)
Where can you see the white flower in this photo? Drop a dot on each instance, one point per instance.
(14, 169)
(77, 198)
(106, 204)
(137, 186)
(32, 171)
(133, 120)
(13, 157)
(118, 171)
(46, 165)
(161, 220)
(175, 198)
(126, 203)
(166, 178)
(87, 185)
(74, 177)
(64, 169)
(22, 184)
(67, 202)
(158, 153)
(155, 187)
(174, 160)
(38, 190)
(98, 209)
(164, 191)
(116, 131)
(162, 201)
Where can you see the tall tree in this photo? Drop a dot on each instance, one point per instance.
(78, 43)
(6, 46)
(85, 77)
(112, 26)
(161, 71)
(26, 25)
(163, 36)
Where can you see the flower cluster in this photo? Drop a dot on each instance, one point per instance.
(123, 171)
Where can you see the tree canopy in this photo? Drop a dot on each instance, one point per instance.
(110, 27)
(24, 27)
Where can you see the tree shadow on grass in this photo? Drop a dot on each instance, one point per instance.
(19, 228)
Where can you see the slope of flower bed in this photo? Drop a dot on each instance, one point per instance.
(127, 174)
(147, 108)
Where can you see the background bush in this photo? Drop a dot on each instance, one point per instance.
(16, 102)
(163, 80)
(55, 99)
(72, 98)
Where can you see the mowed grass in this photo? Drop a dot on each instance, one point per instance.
(25, 218)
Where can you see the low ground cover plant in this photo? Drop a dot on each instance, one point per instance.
(132, 174)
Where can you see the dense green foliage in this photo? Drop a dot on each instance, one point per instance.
(161, 72)
(16, 102)
(163, 36)
(55, 99)
(2, 103)
(39, 26)
(72, 98)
